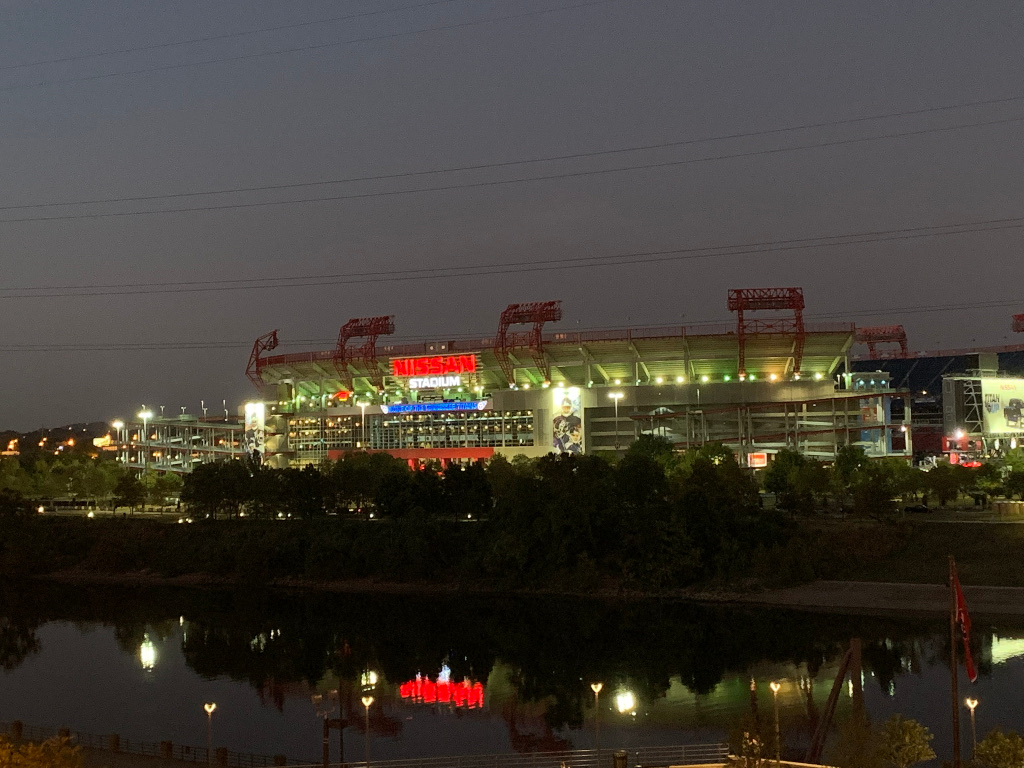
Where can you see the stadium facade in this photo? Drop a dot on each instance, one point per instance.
(766, 382)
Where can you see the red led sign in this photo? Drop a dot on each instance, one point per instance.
(423, 691)
(441, 365)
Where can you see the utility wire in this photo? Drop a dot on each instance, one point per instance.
(225, 36)
(520, 180)
(511, 163)
(305, 48)
(540, 265)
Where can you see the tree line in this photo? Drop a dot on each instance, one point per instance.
(879, 488)
(37, 478)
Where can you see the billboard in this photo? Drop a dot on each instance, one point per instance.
(1004, 405)
(254, 439)
(567, 424)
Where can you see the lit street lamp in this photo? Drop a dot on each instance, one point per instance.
(118, 425)
(367, 701)
(596, 688)
(616, 396)
(145, 414)
(362, 423)
(775, 686)
(971, 704)
(209, 732)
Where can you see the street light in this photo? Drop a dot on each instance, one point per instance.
(145, 414)
(596, 688)
(367, 701)
(971, 704)
(324, 706)
(616, 396)
(118, 425)
(362, 423)
(775, 686)
(209, 731)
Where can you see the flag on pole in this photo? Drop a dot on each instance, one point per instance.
(963, 619)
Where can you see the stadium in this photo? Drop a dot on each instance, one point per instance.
(765, 382)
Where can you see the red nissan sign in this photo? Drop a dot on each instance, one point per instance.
(440, 365)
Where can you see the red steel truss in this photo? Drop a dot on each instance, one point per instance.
(1018, 323)
(264, 343)
(537, 313)
(742, 300)
(368, 328)
(882, 334)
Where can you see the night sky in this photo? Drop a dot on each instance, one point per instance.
(204, 96)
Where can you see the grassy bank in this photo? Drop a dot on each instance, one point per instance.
(431, 555)
(987, 554)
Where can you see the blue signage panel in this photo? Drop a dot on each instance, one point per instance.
(472, 405)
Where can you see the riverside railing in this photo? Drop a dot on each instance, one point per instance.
(222, 757)
(646, 757)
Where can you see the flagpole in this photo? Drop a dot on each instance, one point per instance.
(953, 666)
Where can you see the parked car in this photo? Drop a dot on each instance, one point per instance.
(917, 508)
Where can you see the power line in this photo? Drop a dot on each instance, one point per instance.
(225, 36)
(305, 48)
(539, 265)
(511, 163)
(520, 180)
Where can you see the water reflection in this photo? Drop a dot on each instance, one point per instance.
(498, 673)
(147, 653)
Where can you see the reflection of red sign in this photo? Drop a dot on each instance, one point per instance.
(342, 395)
(423, 691)
(757, 460)
(441, 365)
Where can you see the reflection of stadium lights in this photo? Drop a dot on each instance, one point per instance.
(625, 702)
(368, 678)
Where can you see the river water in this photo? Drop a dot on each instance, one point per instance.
(141, 663)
